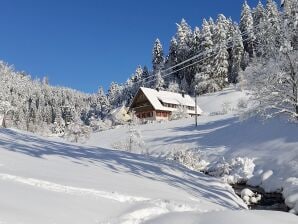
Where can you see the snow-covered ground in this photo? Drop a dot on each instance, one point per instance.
(50, 181)
(45, 181)
(272, 144)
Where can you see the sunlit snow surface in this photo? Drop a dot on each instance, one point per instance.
(50, 181)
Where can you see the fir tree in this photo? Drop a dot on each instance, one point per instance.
(145, 77)
(237, 55)
(202, 79)
(172, 60)
(247, 28)
(159, 81)
(259, 16)
(184, 40)
(157, 57)
(219, 77)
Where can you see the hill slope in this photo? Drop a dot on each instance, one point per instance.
(50, 181)
(44, 181)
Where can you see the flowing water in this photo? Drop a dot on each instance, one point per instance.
(269, 201)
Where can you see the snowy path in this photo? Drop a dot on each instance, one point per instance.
(144, 209)
(155, 208)
(71, 190)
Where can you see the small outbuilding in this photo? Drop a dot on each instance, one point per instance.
(151, 104)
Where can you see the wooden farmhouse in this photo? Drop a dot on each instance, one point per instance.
(150, 104)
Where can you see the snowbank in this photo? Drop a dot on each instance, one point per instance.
(290, 193)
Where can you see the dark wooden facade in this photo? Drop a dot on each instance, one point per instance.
(144, 110)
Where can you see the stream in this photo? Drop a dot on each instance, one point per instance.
(269, 201)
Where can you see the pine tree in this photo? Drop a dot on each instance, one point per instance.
(247, 28)
(273, 19)
(290, 17)
(211, 26)
(237, 55)
(219, 77)
(172, 60)
(201, 80)
(104, 104)
(114, 94)
(259, 16)
(184, 41)
(269, 32)
(184, 85)
(183, 36)
(145, 77)
(157, 57)
(159, 81)
(195, 48)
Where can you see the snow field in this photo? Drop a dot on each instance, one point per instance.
(264, 153)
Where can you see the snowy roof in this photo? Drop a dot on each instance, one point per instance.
(156, 98)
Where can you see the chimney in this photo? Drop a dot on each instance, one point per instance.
(183, 93)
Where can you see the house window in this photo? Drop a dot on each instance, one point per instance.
(161, 114)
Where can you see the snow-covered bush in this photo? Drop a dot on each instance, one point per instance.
(5, 106)
(58, 128)
(100, 125)
(190, 158)
(250, 197)
(226, 107)
(133, 143)
(290, 193)
(237, 170)
(77, 132)
(180, 113)
(242, 104)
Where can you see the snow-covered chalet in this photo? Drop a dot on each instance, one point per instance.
(151, 104)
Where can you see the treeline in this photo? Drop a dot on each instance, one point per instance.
(35, 106)
(223, 50)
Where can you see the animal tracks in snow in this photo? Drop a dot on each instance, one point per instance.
(50, 186)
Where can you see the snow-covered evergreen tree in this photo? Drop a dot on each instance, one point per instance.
(290, 17)
(274, 80)
(237, 55)
(157, 57)
(259, 16)
(219, 77)
(184, 37)
(184, 85)
(159, 81)
(145, 77)
(114, 94)
(173, 87)
(247, 28)
(184, 40)
(195, 48)
(202, 79)
(172, 60)
(104, 105)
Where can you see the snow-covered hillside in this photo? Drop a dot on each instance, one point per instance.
(44, 181)
(50, 181)
(272, 144)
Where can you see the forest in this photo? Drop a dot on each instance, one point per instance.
(259, 53)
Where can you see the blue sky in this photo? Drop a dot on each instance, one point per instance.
(84, 44)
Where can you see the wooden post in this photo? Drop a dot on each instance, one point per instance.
(196, 108)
